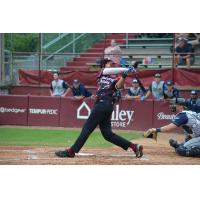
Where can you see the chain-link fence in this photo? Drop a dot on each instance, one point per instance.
(71, 49)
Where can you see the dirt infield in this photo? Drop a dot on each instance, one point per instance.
(154, 153)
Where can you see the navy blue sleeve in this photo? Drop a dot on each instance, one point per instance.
(176, 93)
(129, 92)
(180, 119)
(177, 49)
(73, 91)
(150, 87)
(189, 48)
(51, 87)
(141, 92)
(198, 105)
(85, 92)
(65, 85)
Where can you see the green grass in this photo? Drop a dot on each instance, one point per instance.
(43, 137)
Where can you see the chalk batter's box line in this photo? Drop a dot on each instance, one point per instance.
(33, 152)
(64, 159)
(33, 155)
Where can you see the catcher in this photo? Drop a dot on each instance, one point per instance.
(189, 121)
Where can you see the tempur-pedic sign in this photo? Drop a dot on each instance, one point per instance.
(36, 111)
(43, 111)
(119, 118)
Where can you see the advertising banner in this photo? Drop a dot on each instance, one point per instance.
(126, 114)
(73, 113)
(44, 111)
(138, 114)
(13, 110)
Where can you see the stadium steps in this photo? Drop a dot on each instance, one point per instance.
(96, 51)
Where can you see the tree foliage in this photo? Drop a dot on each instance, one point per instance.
(22, 42)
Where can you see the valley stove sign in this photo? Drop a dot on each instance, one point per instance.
(119, 118)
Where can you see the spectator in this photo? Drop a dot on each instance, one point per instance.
(135, 92)
(180, 36)
(58, 87)
(156, 88)
(193, 103)
(79, 91)
(117, 96)
(196, 41)
(170, 91)
(113, 52)
(192, 38)
(184, 51)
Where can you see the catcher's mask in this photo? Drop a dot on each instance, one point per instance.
(177, 101)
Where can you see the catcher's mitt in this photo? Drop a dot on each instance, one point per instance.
(151, 133)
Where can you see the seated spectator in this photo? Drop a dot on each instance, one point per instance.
(135, 92)
(170, 91)
(193, 103)
(183, 53)
(117, 96)
(79, 91)
(113, 52)
(58, 87)
(156, 88)
(195, 41)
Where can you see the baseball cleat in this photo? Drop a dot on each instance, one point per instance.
(138, 151)
(65, 153)
(173, 143)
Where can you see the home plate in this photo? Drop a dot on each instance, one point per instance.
(144, 158)
(33, 157)
(85, 154)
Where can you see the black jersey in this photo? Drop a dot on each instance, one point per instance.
(106, 86)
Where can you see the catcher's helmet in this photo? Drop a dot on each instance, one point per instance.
(177, 101)
(180, 101)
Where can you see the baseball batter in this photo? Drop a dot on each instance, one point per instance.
(103, 108)
(190, 122)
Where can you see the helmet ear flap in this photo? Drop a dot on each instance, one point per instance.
(173, 108)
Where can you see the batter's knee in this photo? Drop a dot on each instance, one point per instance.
(108, 135)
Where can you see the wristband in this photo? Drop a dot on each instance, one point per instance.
(124, 75)
(158, 130)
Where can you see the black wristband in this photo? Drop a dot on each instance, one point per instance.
(158, 130)
(124, 75)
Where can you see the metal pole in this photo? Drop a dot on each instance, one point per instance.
(73, 46)
(2, 78)
(105, 44)
(126, 40)
(40, 59)
(11, 58)
(173, 57)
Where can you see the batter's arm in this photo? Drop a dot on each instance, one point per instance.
(120, 83)
(115, 70)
